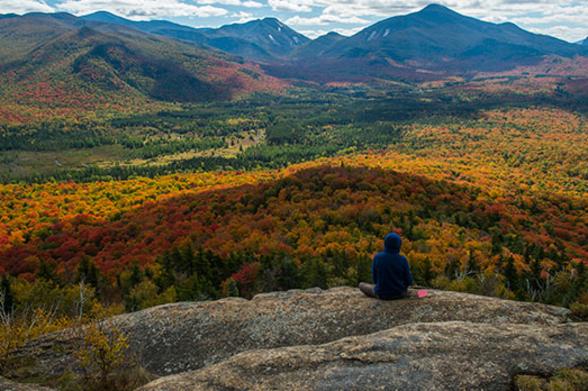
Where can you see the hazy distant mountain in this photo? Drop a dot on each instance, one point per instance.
(262, 39)
(432, 41)
(585, 42)
(57, 57)
(161, 27)
(269, 34)
(165, 60)
(318, 46)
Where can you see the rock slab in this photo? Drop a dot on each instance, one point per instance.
(422, 356)
(179, 337)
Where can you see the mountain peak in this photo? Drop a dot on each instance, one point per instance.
(107, 17)
(437, 9)
(102, 13)
(271, 20)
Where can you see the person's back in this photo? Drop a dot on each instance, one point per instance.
(390, 271)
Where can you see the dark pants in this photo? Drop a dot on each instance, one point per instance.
(368, 289)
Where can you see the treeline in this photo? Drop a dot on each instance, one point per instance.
(188, 273)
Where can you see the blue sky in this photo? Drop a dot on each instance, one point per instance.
(566, 19)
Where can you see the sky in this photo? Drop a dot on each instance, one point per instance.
(565, 19)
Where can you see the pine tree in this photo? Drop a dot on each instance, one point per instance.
(88, 272)
(452, 269)
(314, 273)
(46, 272)
(8, 298)
(472, 267)
(510, 275)
(231, 288)
(427, 272)
(364, 270)
(136, 276)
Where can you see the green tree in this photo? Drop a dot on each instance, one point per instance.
(88, 272)
(6, 295)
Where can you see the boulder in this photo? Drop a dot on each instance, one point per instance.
(422, 356)
(185, 336)
(8, 385)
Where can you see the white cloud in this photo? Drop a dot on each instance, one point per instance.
(234, 3)
(23, 6)
(312, 34)
(567, 19)
(221, 2)
(251, 4)
(323, 20)
(141, 9)
(292, 5)
(243, 17)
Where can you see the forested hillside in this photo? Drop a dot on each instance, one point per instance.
(57, 65)
(146, 162)
(495, 205)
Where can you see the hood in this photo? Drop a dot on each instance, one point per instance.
(392, 243)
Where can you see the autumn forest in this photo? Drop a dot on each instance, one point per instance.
(489, 200)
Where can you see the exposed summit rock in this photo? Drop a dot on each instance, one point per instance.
(423, 356)
(180, 337)
(7, 385)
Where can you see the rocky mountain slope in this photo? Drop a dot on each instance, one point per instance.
(261, 40)
(421, 356)
(429, 44)
(8, 385)
(176, 338)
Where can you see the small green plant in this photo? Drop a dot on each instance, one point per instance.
(103, 352)
(569, 379)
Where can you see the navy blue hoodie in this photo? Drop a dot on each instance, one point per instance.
(390, 270)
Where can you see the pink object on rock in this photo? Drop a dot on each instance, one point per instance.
(422, 293)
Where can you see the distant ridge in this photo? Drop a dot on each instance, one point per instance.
(433, 43)
(318, 46)
(261, 39)
(104, 59)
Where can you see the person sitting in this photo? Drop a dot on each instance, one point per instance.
(390, 272)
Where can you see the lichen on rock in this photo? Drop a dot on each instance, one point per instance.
(181, 337)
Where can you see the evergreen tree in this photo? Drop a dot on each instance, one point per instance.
(88, 272)
(314, 273)
(136, 276)
(427, 272)
(288, 275)
(472, 266)
(167, 276)
(364, 270)
(451, 269)
(510, 275)
(8, 302)
(46, 272)
(230, 288)
(186, 259)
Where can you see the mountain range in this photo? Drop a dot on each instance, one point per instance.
(103, 56)
(62, 59)
(263, 39)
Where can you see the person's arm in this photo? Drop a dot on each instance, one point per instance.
(407, 275)
(374, 271)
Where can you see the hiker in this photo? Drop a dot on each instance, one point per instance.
(390, 272)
